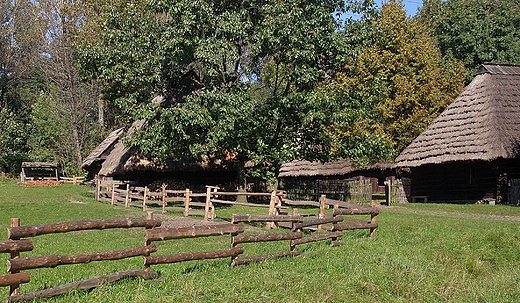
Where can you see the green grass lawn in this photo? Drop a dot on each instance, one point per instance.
(424, 253)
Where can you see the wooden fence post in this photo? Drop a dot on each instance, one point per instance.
(15, 288)
(163, 198)
(144, 199)
(212, 214)
(149, 216)
(270, 225)
(97, 187)
(127, 197)
(373, 220)
(208, 201)
(321, 214)
(187, 202)
(112, 202)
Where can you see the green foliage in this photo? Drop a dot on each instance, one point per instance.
(245, 70)
(474, 31)
(13, 138)
(395, 86)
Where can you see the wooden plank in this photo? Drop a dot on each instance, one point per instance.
(301, 203)
(300, 225)
(16, 246)
(84, 284)
(15, 233)
(12, 279)
(219, 193)
(338, 227)
(161, 234)
(316, 238)
(233, 252)
(245, 260)
(345, 204)
(362, 211)
(265, 218)
(27, 263)
(266, 237)
(175, 199)
(242, 203)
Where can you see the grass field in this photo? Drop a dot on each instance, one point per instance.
(424, 253)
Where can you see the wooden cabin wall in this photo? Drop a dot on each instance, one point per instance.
(466, 182)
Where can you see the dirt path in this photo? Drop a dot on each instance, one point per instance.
(452, 214)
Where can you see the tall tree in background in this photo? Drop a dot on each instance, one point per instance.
(237, 74)
(21, 42)
(474, 31)
(395, 87)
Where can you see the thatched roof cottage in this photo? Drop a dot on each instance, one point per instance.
(472, 150)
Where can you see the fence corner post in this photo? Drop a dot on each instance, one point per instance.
(15, 288)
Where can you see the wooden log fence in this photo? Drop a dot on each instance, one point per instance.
(109, 191)
(162, 234)
(74, 180)
(297, 222)
(16, 264)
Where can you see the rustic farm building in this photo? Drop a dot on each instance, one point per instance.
(471, 152)
(115, 160)
(92, 164)
(306, 180)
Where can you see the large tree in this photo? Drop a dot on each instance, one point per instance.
(394, 87)
(474, 31)
(237, 76)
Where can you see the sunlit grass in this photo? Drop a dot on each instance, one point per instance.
(419, 256)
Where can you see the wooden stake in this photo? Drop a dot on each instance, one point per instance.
(127, 198)
(187, 201)
(321, 214)
(272, 204)
(97, 188)
(208, 203)
(163, 198)
(144, 199)
(15, 288)
(373, 220)
(112, 202)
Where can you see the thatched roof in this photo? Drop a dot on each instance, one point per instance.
(124, 159)
(483, 123)
(39, 165)
(302, 168)
(97, 153)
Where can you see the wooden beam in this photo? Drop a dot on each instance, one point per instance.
(233, 252)
(360, 211)
(12, 279)
(245, 260)
(338, 227)
(16, 246)
(266, 237)
(303, 224)
(55, 260)
(161, 234)
(15, 233)
(84, 284)
(265, 218)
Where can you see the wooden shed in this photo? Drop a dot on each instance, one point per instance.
(304, 179)
(471, 152)
(39, 170)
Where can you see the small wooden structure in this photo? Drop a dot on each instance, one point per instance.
(39, 170)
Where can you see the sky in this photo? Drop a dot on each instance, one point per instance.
(410, 6)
